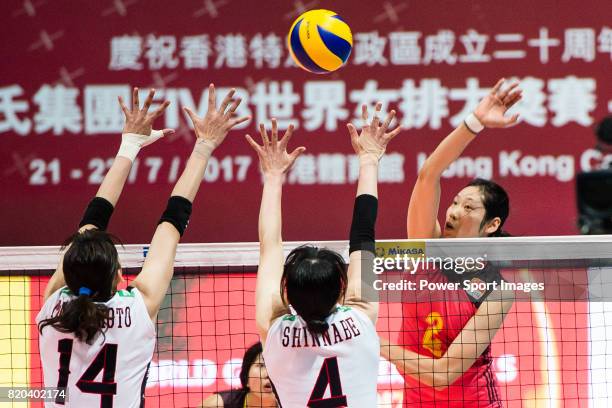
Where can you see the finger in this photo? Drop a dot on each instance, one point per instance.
(135, 100)
(510, 99)
(274, 133)
(212, 99)
(389, 136)
(168, 132)
(354, 136)
(232, 108)
(160, 110)
(148, 101)
(238, 121)
(254, 145)
(286, 137)
(227, 100)
(511, 120)
(264, 136)
(352, 131)
(364, 114)
(295, 154)
(517, 96)
(123, 107)
(497, 86)
(190, 113)
(375, 120)
(504, 94)
(387, 121)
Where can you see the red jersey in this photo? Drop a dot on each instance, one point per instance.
(429, 326)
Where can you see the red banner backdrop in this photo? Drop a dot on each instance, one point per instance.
(66, 62)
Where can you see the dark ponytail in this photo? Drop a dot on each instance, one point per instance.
(80, 316)
(90, 268)
(317, 326)
(496, 203)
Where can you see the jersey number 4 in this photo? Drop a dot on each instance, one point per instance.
(105, 361)
(329, 374)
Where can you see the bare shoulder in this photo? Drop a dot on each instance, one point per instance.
(370, 309)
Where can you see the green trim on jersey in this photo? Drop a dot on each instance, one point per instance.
(125, 293)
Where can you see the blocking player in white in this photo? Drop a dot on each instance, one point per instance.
(317, 329)
(97, 341)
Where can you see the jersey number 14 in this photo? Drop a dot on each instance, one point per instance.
(105, 361)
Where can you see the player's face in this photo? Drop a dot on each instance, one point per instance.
(259, 382)
(465, 214)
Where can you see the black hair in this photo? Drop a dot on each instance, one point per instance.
(314, 279)
(91, 262)
(604, 131)
(249, 358)
(496, 203)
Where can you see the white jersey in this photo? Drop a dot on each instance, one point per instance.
(339, 367)
(112, 371)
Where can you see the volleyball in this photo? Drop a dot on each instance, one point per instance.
(320, 41)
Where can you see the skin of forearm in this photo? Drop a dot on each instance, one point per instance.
(448, 151)
(270, 223)
(115, 179)
(188, 184)
(368, 176)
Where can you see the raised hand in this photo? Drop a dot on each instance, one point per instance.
(213, 127)
(273, 156)
(374, 137)
(140, 121)
(492, 108)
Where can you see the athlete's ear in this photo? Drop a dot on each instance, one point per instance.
(492, 226)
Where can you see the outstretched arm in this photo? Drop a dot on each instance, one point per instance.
(471, 342)
(157, 271)
(275, 162)
(137, 132)
(370, 146)
(425, 199)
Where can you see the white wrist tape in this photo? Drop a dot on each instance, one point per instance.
(131, 143)
(473, 124)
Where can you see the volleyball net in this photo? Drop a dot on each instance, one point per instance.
(554, 348)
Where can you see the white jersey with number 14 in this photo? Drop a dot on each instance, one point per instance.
(111, 372)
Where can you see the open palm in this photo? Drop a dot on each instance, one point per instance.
(273, 156)
(492, 108)
(374, 137)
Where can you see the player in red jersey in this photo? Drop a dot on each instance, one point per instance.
(445, 343)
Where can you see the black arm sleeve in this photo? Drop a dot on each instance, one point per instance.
(364, 220)
(177, 213)
(98, 213)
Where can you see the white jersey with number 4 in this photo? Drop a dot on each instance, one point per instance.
(112, 371)
(336, 369)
